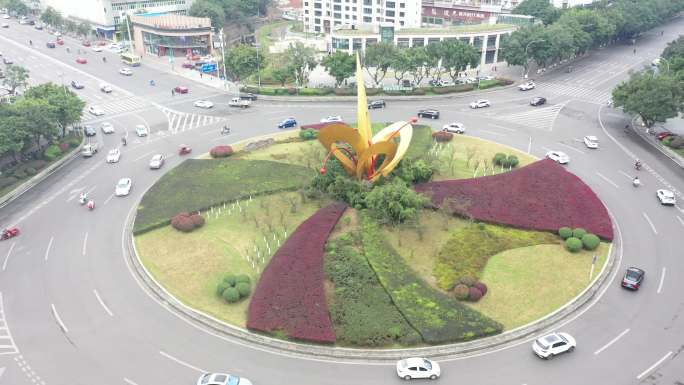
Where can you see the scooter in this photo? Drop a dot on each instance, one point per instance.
(9, 233)
(91, 205)
(636, 182)
(83, 199)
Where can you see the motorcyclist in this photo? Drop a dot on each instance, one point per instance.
(30, 42)
(91, 204)
(636, 182)
(68, 49)
(82, 198)
(123, 140)
(225, 130)
(152, 82)
(104, 59)
(637, 164)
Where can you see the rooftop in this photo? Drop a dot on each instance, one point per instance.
(172, 21)
(460, 29)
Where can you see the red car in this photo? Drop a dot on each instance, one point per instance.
(81, 60)
(181, 90)
(86, 43)
(59, 41)
(663, 135)
(101, 43)
(188, 64)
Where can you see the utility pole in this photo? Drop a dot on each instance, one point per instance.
(223, 60)
(130, 37)
(256, 39)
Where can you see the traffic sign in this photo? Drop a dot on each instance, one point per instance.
(209, 67)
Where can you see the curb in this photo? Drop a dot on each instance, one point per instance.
(674, 157)
(41, 176)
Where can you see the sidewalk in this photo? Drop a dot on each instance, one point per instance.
(162, 64)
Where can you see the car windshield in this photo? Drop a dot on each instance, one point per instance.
(232, 380)
(113, 152)
(632, 275)
(427, 364)
(122, 183)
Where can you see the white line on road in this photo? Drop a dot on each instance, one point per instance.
(4, 264)
(58, 319)
(571, 148)
(502, 127)
(680, 220)
(207, 132)
(85, 243)
(172, 358)
(47, 250)
(660, 361)
(2, 371)
(108, 199)
(97, 295)
(606, 346)
(90, 190)
(625, 174)
(662, 280)
(129, 382)
(143, 156)
(607, 180)
(650, 223)
(493, 132)
(529, 145)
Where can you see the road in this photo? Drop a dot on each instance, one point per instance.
(72, 311)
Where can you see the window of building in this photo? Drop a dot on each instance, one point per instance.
(371, 41)
(401, 22)
(389, 20)
(318, 5)
(491, 41)
(477, 42)
(317, 21)
(306, 3)
(337, 8)
(354, 17)
(402, 5)
(318, 13)
(433, 40)
(354, 9)
(390, 4)
(401, 14)
(337, 22)
(489, 57)
(465, 40)
(367, 2)
(367, 11)
(378, 19)
(339, 43)
(389, 13)
(367, 19)
(317, 28)
(327, 13)
(403, 42)
(357, 44)
(337, 15)
(346, 8)
(418, 41)
(346, 16)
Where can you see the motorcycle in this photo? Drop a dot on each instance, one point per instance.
(9, 233)
(637, 165)
(91, 205)
(184, 150)
(225, 130)
(82, 199)
(636, 182)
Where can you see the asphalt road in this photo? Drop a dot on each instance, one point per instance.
(72, 312)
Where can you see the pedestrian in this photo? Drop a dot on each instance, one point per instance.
(173, 92)
(634, 51)
(494, 68)
(200, 75)
(661, 33)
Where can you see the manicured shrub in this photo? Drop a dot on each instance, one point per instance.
(578, 232)
(244, 289)
(30, 171)
(499, 158)
(291, 91)
(482, 287)
(461, 292)
(590, 241)
(308, 134)
(467, 280)
(187, 222)
(243, 278)
(442, 136)
(231, 295)
(230, 279)
(394, 202)
(197, 220)
(52, 153)
(474, 294)
(513, 161)
(573, 244)
(565, 232)
(414, 171)
(221, 151)
(345, 91)
(676, 141)
(221, 287)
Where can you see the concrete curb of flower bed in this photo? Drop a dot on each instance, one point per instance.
(41, 176)
(676, 158)
(223, 330)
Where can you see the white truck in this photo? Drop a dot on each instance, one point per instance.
(89, 150)
(237, 102)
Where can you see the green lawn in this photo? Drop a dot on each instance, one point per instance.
(528, 283)
(309, 154)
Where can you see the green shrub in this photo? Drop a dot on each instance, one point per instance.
(484, 84)
(52, 153)
(20, 174)
(30, 171)
(467, 280)
(442, 136)
(221, 287)
(315, 91)
(513, 161)
(414, 171)
(590, 241)
(394, 202)
(573, 244)
(578, 232)
(309, 134)
(461, 292)
(565, 232)
(244, 289)
(7, 181)
(243, 278)
(231, 295)
(230, 279)
(499, 158)
(345, 91)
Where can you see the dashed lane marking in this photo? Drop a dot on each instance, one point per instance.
(606, 346)
(607, 180)
(4, 264)
(662, 280)
(172, 358)
(660, 361)
(650, 223)
(7, 345)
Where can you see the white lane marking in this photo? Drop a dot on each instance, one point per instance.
(2, 371)
(606, 346)
(662, 280)
(97, 295)
(85, 243)
(129, 382)
(108, 199)
(660, 361)
(58, 319)
(650, 223)
(607, 180)
(680, 220)
(11, 348)
(626, 175)
(529, 145)
(172, 358)
(47, 250)
(4, 264)
(145, 155)
(502, 127)
(571, 148)
(493, 132)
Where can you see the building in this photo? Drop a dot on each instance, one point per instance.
(454, 12)
(570, 3)
(172, 35)
(485, 37)
(320, 16)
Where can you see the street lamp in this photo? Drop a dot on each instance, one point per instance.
(524, 75)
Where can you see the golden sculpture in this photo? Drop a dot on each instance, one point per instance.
(356, 149)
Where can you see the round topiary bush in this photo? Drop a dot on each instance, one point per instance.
(467, 280)
(182, 222)
(230, 279)
(578, 232)
(461, 292)
(442, 136)
(231, 295)
(221, 287)
(244, 278)
(590, 241)
(565, 232)
(197, 220)
(513, 161)
(308, 134)
(573, 244)
(474, 294)
(243, 289)
(221, 151)
(481, 286)
(64, 146)
(499, 158)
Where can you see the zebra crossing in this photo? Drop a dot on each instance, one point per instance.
(577, 92)
(126, 104)
(539, 118)
(184, 121)
(7, 345)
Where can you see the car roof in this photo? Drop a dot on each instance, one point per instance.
(551, 338)
(414, 361)
(666, 193)
(635, 269)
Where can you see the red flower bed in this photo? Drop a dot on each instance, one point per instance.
(541, 196)
(290, 294)
(221, 151)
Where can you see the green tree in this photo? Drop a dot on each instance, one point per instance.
(208, 8)
(540, 9)
(84, 29)
(674, 55)
(378, 59)
(652, 98)
(339, 65)
(595, 24)
(12, 136)
(420, 63)
(66, 106)
(38, 118)
(17, 6)
(401, 64)
(457, 56)
(70, 26)
(281, 74)
(300, 60)
(15, 77)
(434, 54)
(394, 202)
(241, 62)
(52, 17)
(122, 28)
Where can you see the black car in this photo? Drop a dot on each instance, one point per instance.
(50, 44)
(77, 85)
(538, 101)
(89, 131)
(429, 113)
(376, 104)
(7, 60)
(248, 96)
(633, 278)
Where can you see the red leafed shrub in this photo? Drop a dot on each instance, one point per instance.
(186, 222)
(481, 286)
(474, 294)
(541, 196)
(461, 292)
(221, 152)
(290, 295)
(442, 136)
(64, 146)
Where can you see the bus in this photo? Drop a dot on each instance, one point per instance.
(131, 59)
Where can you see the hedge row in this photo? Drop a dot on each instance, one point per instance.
(290, 295)
(437, 317)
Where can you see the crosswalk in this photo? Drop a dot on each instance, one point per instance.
(183, 121)
(539, 118)
(7, 345)
(125, 104)
(574, 91)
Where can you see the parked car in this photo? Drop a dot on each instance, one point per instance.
(107, 128)
(50, 44)
(81, 60)
(76, 85)
(86, 43)
(417, 367)
(376, 104)
(480, 103)
(331, 119)
(126, 71)
(141, 130)
(287, 123)
(538, 101)
(113, 155)
(666, 197)
(204, 104)
(7, 60)
(188, 64)
(558, 156)
(633, 278)
(89, 131)
(428, 113)
(662, 135)
(591, 141)
(485, 77)
(454, 128)
(181, 89)
(248, 96)
(59, 41)
(526, 86)
(553, 344)
(97, 111)
(5, 25)
(157, 161)
(106, 88)
(123, 187)
(222, 379)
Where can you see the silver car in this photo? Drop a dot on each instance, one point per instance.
(157, 161)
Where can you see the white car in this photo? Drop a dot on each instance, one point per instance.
(97, 48)
(57, 33)
(666, 197)
(416, 367)
(331, 119)
(480, 103)
(123, 187)
(106, 88)
(526, 86)
(204, 104)
(5, 16)
(222, 379)
(157, 161)
(558, 156)
(126, 71)
(107, 128)
(591, 141)
(141, 130)
(553, 344)
(114, 46)
(454, 128)
(95, 110)
(113, 155)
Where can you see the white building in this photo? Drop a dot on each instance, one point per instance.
(320, 16)
(570, 3)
